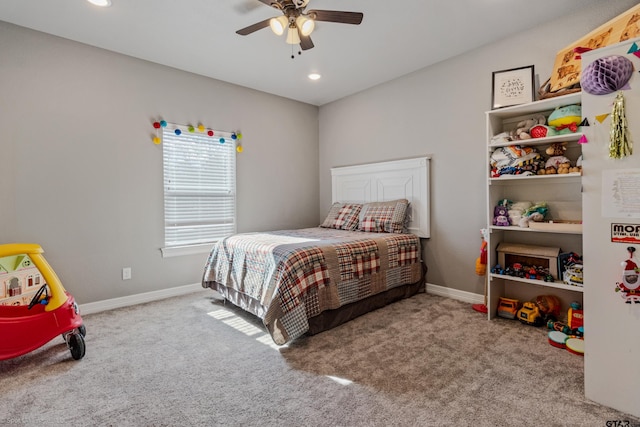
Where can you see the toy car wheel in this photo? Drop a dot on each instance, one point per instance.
(76, 346)
(83, 330)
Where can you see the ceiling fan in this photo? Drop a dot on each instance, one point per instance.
(298, 23)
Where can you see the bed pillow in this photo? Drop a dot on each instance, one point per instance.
(343, 216)
(384, 217)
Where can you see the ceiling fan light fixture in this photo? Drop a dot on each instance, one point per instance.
(305, 24)
(278, 25)
(292, 36)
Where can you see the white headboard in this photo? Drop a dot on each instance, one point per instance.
(379, 182)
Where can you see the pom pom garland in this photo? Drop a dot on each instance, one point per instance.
(222, 136)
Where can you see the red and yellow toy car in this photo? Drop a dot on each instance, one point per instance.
(34, 306)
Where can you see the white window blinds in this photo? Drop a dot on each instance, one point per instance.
(199, 188)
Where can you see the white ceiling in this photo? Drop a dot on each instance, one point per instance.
(394, 39)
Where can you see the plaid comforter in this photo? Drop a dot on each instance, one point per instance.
(287, 277)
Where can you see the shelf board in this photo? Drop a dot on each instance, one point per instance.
(540, 141)
(568, 177)
(531, 230)
(556, 285)
(537, 106)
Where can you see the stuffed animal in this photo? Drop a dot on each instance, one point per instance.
(514, 160)
(523, 127)
(501, 214)
(561, 121)
(556, 149)
(565, 119)
(535, 213)
(557, 163)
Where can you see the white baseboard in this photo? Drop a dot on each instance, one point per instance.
(110, 304)
(463, 296)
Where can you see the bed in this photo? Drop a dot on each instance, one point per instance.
(364, 255)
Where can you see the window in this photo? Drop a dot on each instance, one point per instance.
(199, 190)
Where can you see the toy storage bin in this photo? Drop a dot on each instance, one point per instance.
(539, 256)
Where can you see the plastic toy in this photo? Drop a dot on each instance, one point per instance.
(508, 308)
(51, 311)
(529, 314)
(575, 316)
(575, 345)
(557, 339)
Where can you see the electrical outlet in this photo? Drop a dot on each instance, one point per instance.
(126, 273)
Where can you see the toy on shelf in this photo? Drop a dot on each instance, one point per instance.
(544, 308)
(575, 317)
(501, 214)
(536, 213)
(562, 121)
(558, 163)
(575, 321)
(508, 308)
(571, 267)
(549, 306)
(515, 160)
(523, 127)
(529, 314)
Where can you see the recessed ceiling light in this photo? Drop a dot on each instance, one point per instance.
(314, 76)
(101, 3)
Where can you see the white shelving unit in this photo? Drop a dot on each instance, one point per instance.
(563, 194)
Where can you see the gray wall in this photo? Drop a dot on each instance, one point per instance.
(439, 111)
(81, 176)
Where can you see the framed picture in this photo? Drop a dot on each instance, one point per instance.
(512, 87)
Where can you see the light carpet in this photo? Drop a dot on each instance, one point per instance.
(194, 361)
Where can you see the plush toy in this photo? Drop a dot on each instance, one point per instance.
(561, 121)
(516, 211)
(501, 214)
(535, 213)
(523, 127)
(556, 149)
(565, 119)
(515, 159)
(557, 163)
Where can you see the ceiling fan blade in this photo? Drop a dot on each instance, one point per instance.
(336, 16)
(305, 41)
(253, 28)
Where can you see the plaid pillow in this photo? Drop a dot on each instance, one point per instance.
(343, 216)
(370, 224)
(389, 216)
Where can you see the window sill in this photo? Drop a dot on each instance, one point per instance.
(186, 250)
